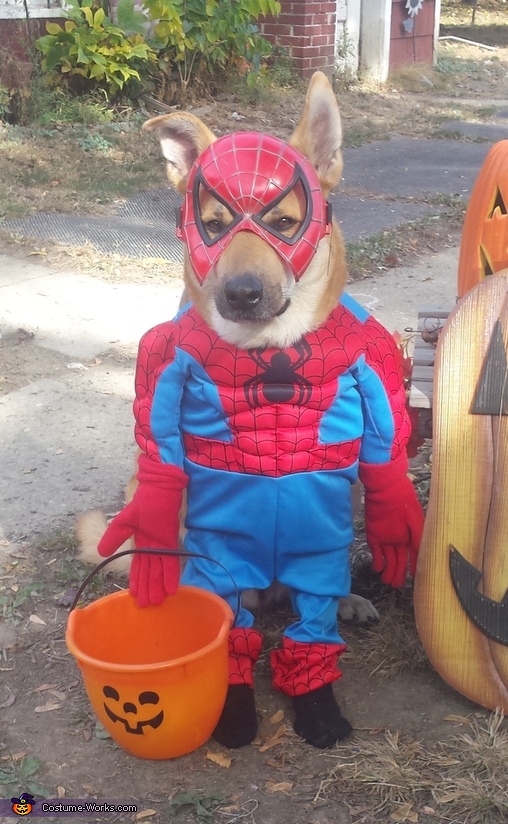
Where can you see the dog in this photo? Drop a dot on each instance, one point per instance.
(265, 399)
(183, 137)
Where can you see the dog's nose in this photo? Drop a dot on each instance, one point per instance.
(243, 291)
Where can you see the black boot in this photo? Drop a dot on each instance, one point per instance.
(318, 719)
(238, 724)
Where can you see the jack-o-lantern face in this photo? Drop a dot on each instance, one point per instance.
(461, 584)
(494, 236)
(134, 717)
(484, 244)
(22, 805)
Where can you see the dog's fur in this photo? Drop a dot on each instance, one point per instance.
(288, 309)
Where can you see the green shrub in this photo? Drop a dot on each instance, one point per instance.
(91, 50)
(206, 35)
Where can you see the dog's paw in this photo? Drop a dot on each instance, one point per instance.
(357, 610)
(90, 527)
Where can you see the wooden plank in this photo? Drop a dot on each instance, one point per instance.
(421, 396)
(424, 355)
(430, 320)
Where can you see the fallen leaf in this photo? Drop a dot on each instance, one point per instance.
(458, 719)
(60, 695)
(65, 599)
(405, 813)
(428, 810)
(219, 758)
(279, 787)
(277, 717)
(145, 814)
(49, 706)
(45, 687)
(449, 797)
(60, 791)
(100, 732)
(274, 740)
(9, 700)
(36, 620)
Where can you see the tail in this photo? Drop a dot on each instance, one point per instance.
(90, 528)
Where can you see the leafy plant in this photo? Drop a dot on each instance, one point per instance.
(5, 100)
(10, 604)
(204, 807)
(89, 46)
(210, 34)
(16, 776)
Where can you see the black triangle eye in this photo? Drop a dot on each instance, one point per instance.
(498, 203)
(290, 234)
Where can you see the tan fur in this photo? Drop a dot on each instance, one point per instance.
(90, 527)
(183, 137)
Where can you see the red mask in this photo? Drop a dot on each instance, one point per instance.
(250, 173)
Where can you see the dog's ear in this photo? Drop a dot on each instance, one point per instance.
(319, 134)
(183, 137)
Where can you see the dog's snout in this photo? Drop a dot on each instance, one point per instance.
(244, 292)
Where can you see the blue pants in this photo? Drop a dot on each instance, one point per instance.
(295, 529)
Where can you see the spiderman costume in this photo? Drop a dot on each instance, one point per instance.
(268, 442)
(271, 442)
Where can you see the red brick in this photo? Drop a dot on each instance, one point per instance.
(306, 51)
(320, 40)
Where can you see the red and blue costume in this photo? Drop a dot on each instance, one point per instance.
(269, 441)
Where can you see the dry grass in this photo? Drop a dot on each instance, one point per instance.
(463, 779)
(391, 647)
(88, 260)
(74, 168)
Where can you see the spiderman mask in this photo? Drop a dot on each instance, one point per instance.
(250, 178)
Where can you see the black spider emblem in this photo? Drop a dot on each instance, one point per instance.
(279, 381)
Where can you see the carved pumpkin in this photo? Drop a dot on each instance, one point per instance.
(484, 244)
(461, 584)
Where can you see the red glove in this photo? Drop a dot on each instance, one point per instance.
(393, 519)
(152, 517)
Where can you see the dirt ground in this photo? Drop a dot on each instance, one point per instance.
(420, 752)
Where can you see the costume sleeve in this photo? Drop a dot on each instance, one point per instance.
(159, 387)
(387, 423)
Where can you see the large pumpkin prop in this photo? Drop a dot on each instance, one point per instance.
(484, 244)
(461, 584)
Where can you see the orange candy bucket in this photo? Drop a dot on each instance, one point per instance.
(156, 677)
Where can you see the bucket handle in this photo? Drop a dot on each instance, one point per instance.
(146, 551)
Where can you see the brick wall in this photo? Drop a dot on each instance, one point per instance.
(307, 29)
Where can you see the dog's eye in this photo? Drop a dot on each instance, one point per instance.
(285, 225)
(213, 227)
